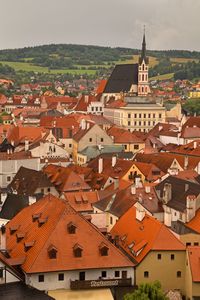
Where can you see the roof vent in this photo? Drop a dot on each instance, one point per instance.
(35, 217)
(42, 221)
(28, 245)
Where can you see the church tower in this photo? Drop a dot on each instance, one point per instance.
(143, 68)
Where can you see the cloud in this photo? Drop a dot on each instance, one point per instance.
(170, 24)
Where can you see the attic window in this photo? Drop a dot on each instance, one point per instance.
(42, 221)
(78, 199)
(77, 249)
(20, 236)
(103, 249)
(13, 229)
(71, 227)
(28, 245)
(52, 252)
(85, 198)
(36, 217)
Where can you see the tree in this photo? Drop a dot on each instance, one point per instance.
(147, 291)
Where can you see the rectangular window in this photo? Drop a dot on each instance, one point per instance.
(103, 274)
(178, 274)
(70, 145)
(111, 220)
(129, 123)
(90, 139)
(117, 274)
(196, 244)
(101, 139)
(81, 276)
(8, 178)
(188, 244)
(1, 272)
(129, 115)
(61, 276)
(41, 278)
(135, 115)
(124, 274)
(154, 115)
(160, 116)
(136, 147)
(149, 115)
(159, 256)
(140, 116)
(172, 256)
(146, 274)
(144, 115)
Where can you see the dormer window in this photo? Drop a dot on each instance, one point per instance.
(71, 227)
(28, 245)
(77, 249)
(13, 229)
(36, 217)
(103, 249)
(52, 252)
(20, 236)
(41, 221)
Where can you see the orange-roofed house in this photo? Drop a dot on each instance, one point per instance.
(65, 179)
(124, 137)
(56, 248)
(158, 254)
(193, 273)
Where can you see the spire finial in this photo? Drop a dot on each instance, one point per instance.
(144, 29)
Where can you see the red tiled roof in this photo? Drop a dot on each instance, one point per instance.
(82, 201)
(101, 86)
(64, 179)
(153, 234)
(53, 232)
(123, 136)
(18, 134)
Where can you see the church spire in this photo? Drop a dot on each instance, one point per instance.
(143, 53)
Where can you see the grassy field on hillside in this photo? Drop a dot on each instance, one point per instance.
(28, 67)
(152, 61)
(182, 60)
(163, 77)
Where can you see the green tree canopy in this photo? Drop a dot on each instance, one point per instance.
(147, 291)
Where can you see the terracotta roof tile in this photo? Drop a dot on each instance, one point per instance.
(153, 234)
(55, 232)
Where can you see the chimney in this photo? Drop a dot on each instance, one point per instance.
(186, 187)
(137, 181)
(83, 124)
(190, 207)
(140, 212)
(3, 238)
(116, 183)
(100, 165)
(167, 192)
(86, 98)
(26, 145)
(114, 160)
(87, 125)
(147, 189)
(133, 189)
(185, 162)
(195, 145)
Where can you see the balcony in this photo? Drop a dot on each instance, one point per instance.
(102, 283)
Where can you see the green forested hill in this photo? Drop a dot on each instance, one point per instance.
(93, 61)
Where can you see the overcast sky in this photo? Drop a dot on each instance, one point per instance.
(170, 24)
